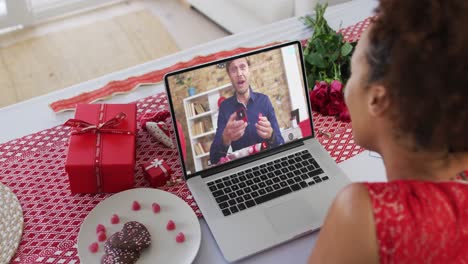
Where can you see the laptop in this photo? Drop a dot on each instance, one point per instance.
(250, 158)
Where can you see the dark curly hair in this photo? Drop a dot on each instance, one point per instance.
(419, 50)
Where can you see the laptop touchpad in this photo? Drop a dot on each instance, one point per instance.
(293, 217)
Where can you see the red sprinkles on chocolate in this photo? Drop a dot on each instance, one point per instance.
(121, 256)
(133, 236)
(125, 246)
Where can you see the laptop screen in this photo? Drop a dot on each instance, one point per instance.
(239, 107)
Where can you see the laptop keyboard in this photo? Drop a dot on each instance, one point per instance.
(265, 182)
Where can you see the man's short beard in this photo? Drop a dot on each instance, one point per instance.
(242, 92)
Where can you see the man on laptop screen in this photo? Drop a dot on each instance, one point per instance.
(239, 107)
(246, 118)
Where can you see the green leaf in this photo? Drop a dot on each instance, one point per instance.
(311, 82)
(346, 49)
(335, 56)
(316, 59)
(309, 21)
(340, 37)
(326, 55)
(319, 46)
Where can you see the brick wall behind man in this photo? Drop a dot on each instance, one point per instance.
(267, 76)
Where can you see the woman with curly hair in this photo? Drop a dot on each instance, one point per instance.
(408, 100)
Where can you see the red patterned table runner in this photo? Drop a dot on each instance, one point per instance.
(33, 167)
(351, 33)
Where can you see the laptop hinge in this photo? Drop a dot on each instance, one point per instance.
(237, 163)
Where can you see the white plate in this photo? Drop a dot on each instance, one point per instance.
(164, 248)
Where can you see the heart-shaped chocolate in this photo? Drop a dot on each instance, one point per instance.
(133, 236)
(115, 255)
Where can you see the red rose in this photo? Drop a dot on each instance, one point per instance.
(335, 108)
(319, 97)
(336, 85)
(321, 85)
(344, 115)
(336, 91)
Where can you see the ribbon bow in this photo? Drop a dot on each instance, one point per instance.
(82, 127)
(157, 163)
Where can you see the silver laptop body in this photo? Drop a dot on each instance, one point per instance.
(277, 214)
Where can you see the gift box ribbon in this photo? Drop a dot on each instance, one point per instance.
(108, 127)
(157, 163)
(83, 127)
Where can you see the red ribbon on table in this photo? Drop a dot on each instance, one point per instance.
(108, 127)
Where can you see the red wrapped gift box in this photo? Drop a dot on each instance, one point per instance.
(101, 152)
(157, 172)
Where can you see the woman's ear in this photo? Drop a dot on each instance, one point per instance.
(378, 100)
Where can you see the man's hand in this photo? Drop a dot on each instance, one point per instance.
(234, 129)
(264, 129)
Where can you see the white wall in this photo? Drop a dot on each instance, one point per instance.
(2, 7)
(294, 81)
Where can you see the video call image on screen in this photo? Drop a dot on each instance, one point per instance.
(240, 107)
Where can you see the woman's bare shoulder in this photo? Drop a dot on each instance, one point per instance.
(348, 234)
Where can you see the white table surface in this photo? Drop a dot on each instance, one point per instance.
(34, 115)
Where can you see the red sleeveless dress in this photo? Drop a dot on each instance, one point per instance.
(421, 222)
